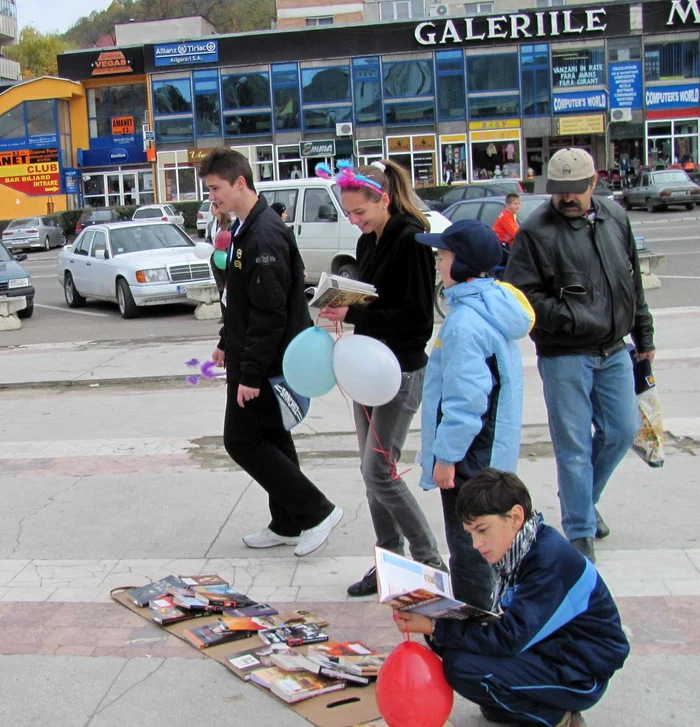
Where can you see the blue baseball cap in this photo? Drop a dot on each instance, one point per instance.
(475, 245)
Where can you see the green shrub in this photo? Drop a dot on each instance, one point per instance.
(189, 212)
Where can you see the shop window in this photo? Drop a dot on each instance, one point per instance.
(550, 3)
(243, 124)
(673, 143)
(206, 100)
(325, 118)
(492, 73)
(173, 96)
(367, 90)
(491, 107)
(666, 61)
(497, 159)
(408, 79)
(12, 124)
(285, 92)
(98, 101)
(578, 67)
(413, 112)
(369, 150)
(174, 129)
(534, 70)
(41, 118)
(624, 49)
(450, 85)
(114, 101)
(289, 162)
(325, 85)
(246, 90)
(122, 101)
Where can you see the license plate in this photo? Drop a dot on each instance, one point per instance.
(4, 295)
(678, 194)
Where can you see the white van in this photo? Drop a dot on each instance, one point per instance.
(326, 239)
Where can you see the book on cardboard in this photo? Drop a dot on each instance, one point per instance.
(334, 291)
(260, 657)
(297, 686)
(222, 595)
(212, 635)
(337, 673)
(294, 635)
(266, 677)
(244, 623)
(367, 666)
(343, 648)
(257, 610)
(291, 618)
(143, 594)
(407, 585)
(207, 579)
(195, 605)
(164, 611)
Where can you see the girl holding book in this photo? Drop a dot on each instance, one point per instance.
(379, 199)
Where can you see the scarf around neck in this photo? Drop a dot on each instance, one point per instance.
(508, 566)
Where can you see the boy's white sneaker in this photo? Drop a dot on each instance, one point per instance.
(315, 537)
(268, 539)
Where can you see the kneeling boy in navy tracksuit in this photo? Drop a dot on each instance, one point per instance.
(559, 639)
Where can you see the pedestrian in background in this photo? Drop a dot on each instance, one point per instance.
(379, 199)
(220, 222)
(576, 261)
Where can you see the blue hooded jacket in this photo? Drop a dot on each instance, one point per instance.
(473, 391)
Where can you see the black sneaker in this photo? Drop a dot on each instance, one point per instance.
(585, 547)
(601, 529)
(367, 586)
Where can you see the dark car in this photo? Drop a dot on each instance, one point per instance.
(477, 190)
(15, 280)
(487, 209)
(96, 216)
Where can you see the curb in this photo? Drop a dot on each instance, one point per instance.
(665, 221)
(172, 380)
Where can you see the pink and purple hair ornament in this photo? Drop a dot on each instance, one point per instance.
(346, 178)
(206, 370)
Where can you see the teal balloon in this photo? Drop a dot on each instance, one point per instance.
(220, 259)
(308, 363)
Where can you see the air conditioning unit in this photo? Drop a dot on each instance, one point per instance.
(344, 129)
(438, 11)
(620, 115)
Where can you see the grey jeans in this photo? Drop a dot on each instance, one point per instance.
(396, 515)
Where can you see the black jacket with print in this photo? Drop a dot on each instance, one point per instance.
(265, 302)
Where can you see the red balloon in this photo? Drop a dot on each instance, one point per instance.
(411, 688)
(223, 240)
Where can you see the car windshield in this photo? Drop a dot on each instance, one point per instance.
(528, 205)
(5, 256)
(507, 187)
(669, 177)
(25, 222)
(148, 212)
(205, 206)
(101, 215)
(147, 237)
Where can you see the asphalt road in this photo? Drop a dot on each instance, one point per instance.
(676, 234)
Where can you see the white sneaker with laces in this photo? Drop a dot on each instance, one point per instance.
(315, 537)
(268, 539)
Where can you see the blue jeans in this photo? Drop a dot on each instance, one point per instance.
(593, 419)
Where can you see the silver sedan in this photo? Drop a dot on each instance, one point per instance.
(657, 190)
(133, 264)
(28, 232)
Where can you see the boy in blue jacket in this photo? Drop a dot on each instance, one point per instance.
(559, 638)
(473, 390)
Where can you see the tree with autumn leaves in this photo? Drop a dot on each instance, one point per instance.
(36, 52)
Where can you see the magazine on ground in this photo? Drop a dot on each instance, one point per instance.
(407, 585)
(334, 291)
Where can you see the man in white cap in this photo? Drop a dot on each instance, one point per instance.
(576, 261)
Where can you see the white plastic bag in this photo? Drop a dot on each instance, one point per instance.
(649, 440)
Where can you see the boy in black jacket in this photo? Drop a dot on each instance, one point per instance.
(265, 309)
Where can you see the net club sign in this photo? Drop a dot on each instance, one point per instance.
(518, 26)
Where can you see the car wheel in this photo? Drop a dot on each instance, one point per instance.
(73, 297)
(626, 202)
(201, 234)
(125, 299)
(439, 300)
(63, 241)
(651, 207)
(47, 243)
(690, 205)
(28, 311)
(349, 270)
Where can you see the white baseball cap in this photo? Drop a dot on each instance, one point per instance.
(570, 171)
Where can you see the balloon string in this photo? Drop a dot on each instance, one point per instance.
(391, 461)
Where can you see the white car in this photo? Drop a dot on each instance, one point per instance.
(203, 217)
(133, 264)
(163, 212)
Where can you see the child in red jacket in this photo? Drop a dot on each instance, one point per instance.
(506, 226)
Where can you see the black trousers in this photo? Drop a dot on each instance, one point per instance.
(256, 440)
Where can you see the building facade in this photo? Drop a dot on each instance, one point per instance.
(480, 97)
(10, 71)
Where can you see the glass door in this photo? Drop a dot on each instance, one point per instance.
(114, 190)
(131, 192)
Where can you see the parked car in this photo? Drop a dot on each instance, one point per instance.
(477, 190)
(203, 217)
(15, 280)
(603, 189)
(134, 264)
(29, 232)
(488, 209)
(96, 216)
(658, 190)
(163, 212)
(325, 237)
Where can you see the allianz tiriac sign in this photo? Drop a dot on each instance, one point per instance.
(570, 24)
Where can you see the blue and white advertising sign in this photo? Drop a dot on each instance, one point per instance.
(72, 180)
(682, 96)
(625, 83)
(29, 142)
(195, 51)
(577, 103)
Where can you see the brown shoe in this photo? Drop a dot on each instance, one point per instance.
(572, 719)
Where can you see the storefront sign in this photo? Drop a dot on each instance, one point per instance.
(580, 125)
(119, 156)
(32, 171)
(499, 135)
(122, 125)
(545, 24)
(453, 139)
(572, 69)
(317, 148)
(571, 103)
(672, 97)
(398, 144)
(71, 178)
(195, 156)
(176, 54)
(110, 63)
(625, 83)
(423, 143)
(684, 12)
(496, 124)
(32, 142)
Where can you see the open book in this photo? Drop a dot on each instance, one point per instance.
(407, 585)
(334, 291)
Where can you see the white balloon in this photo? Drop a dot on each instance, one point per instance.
(203, 250)
(366, 370)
